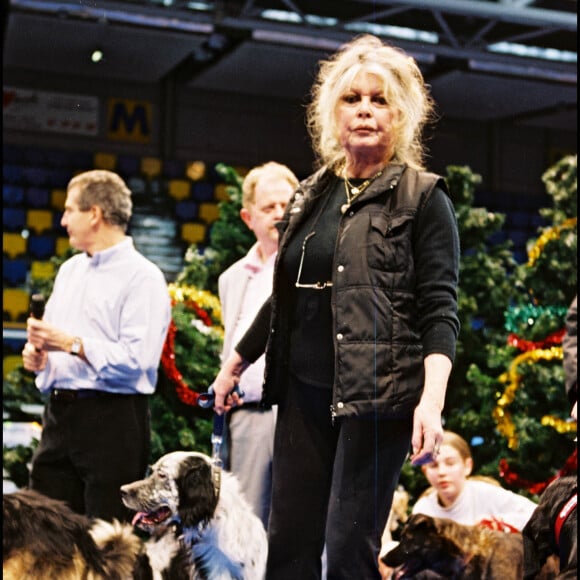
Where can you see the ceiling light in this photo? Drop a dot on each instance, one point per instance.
(97, 55)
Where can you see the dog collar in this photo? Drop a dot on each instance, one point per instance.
(563, 516)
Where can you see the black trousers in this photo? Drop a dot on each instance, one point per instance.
(89, 447)
(333, 485)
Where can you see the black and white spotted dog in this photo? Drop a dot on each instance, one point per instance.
(199, 523)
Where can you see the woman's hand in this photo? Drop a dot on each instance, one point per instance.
(427, 424)
(228, 377)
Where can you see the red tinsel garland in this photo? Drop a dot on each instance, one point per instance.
(185, 393)
(526, 345)
(511, 477)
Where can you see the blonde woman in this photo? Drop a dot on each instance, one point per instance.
(360, 330)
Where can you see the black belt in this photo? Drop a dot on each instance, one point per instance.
(68, 395)
(247, 406)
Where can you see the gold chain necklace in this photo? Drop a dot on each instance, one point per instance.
(352, 192)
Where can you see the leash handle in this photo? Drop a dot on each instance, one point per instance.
(206, 400)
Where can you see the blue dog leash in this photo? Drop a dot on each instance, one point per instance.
(206, 400)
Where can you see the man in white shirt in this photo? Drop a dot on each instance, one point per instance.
(96, 353)
(243, 288)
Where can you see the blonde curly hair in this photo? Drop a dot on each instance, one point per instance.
(404, 89)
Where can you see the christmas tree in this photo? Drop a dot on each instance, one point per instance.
(520, 386)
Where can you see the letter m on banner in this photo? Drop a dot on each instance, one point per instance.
(129, 120)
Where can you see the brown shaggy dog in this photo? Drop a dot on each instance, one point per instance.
(553, 530)
(440, 548)
(44, 539)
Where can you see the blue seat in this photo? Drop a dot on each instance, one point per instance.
(33, 175)
(12, 195)
(41, 247)
(186, 210)
(14, 272)
(59, 177)
(202, 191)
(14, 219)
(128, 166)
(174, 169)
(58, 158)
(12, 174)
(38, 197)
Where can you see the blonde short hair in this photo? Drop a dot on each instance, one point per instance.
(253, 177)
(405, 91)
(106, 190)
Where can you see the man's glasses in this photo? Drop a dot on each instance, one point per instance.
(316, 285)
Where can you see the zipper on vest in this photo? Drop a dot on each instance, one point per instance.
(332, 414)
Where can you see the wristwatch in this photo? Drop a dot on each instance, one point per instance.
(75, 347)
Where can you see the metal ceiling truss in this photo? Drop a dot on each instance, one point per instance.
(466, 30)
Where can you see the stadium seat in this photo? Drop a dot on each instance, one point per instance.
(193, 233)
(209, 212)
(13, 219)
(15, 304)
(12, 195)
(41, 247)
(10, 362)
(221, 192)
(58, 158)
(38, 176)
(12, 174)
(62, 245)
(57, 199)
(42, 270)
(186, 210)
(105, 161)
(179, 189)
(174, 169)
(202, 191)
(14, 272)
(38, 197)
(13, 244)
(59, 177)
(127, 166)
(196, 170)
(151, 167)
(39, 220)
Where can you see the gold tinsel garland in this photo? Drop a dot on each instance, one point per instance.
(548, 236)
(513, 379)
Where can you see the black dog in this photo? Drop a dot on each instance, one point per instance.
(438, 548)
(553, 530)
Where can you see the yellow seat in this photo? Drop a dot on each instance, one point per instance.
(151, 167)
(62, 245)
(15, 304)
(196, 170)
(40, 270)
(10, 362)
(105, 161)
(39, 220)
(179, 189)
(209, 212)
(57, 199)
(221, 192)
(13, 244)
(193, 233)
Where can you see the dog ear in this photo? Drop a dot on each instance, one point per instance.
(197, 496)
